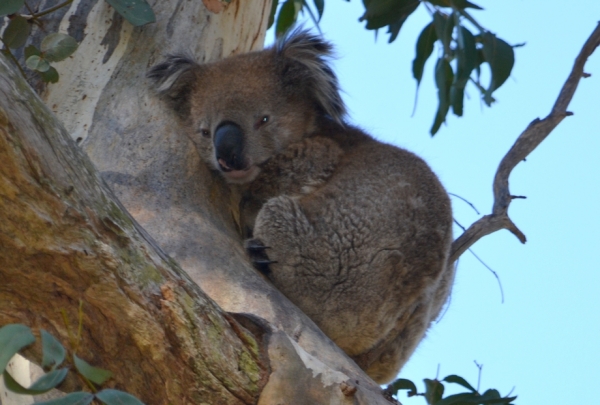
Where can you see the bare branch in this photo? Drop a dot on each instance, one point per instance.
(529, 139)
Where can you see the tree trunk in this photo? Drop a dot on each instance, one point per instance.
(64, 237)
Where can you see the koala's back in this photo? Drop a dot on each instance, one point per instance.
(364, 253)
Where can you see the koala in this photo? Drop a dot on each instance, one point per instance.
(354, 231)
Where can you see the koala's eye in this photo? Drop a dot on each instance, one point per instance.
(205, 132)
(262, 121)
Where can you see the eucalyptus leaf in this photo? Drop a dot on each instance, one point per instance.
(443, 80)
(444, 25)
(274, 4)
(461, 4)
(8, 7)
(35, 62)
(286, 18)
(466, 398)
(320, 6)
(455, 379)
(30, 51)
(94, 374)
(501, 58)
(380, 13)
(394, 28)
(466, 61)
(433, 390)
(58, 46)
(74, 398)
(137, 12)
(492, 396)
(424, 49)
(53, 351)
(13, 337)
(44, 384)
(116, 397)
(50, 75)
(17, 32)
(402, 384)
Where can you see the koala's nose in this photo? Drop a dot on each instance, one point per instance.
(229, 146)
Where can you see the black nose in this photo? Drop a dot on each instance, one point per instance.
(229, 146)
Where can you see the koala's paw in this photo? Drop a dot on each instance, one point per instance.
(258, 255)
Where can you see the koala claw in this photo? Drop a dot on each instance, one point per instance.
(258, 256)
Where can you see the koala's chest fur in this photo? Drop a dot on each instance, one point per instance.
(358, 232)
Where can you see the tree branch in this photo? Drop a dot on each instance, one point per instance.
(529, 139)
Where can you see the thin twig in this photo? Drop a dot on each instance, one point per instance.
(529, 139)
(480, 367)
(48, 11)
(465, 200)
(459, 225)
(493, 272)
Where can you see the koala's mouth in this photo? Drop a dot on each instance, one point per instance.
(239, 176)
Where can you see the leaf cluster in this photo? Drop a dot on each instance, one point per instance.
(15, 337)
(461, 53)
(55, 47)
(434, 392)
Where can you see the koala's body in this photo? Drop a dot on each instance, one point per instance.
(358, 232)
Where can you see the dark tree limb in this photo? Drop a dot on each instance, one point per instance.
(529, 139)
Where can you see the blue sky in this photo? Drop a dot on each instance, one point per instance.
(544, 340)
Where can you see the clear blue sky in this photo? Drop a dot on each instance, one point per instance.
(545, 339)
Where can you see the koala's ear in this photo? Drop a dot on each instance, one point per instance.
(305, 63)
(174, 81)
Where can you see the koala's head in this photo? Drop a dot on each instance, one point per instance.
(243, 110)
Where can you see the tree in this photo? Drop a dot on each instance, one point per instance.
(58, 214)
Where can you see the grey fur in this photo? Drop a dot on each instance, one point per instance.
(359, 231)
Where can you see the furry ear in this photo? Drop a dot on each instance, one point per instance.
(174, 80)
(305, 58)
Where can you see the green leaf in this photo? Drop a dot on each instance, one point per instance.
(116, 397)
(31, 50)
(466, 61)
(16, 33)
(455, 379)
(320, 6)
(394, 28)
(466, 398)
(286, 18)
(424, 49)
(58, 46)
(433, 391)
(94, 374)
(13, 337)
(379, 13)
(53, 351)
(501, 58)
(443, 80)
(137, 12)
(49, 76)
(74, 398)
(10, 6)
(44, 384)
(444, 26)
(274, 4)
(461, 4)
(492, 396)
(35, 62)
(402, 384)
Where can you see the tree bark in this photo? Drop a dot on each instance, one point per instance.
(65, 237)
